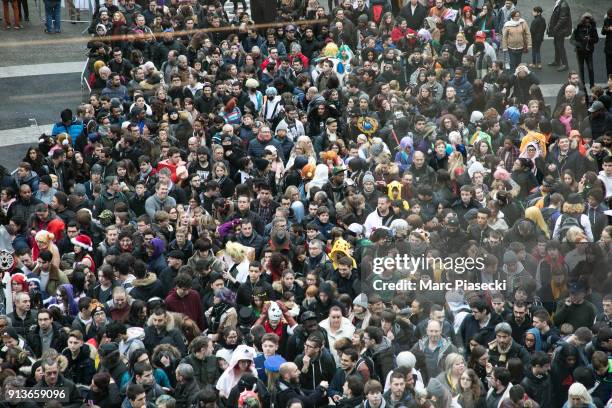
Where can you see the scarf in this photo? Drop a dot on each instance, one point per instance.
(503, 352)
(278, 330)
(557, 289)
(567, 122)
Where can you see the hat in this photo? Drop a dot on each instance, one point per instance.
(176, 254)
(510, 257)
(273, 363)
(481, 35)
(96, 169)
(453, 222)
(82, 241)
(338, 170)
(271, 92)
(79, 190)
(308, 315)
(290, 27)
(361, 300)
(11, 332)
(107, 349)
(476, 117)
(300, 161)
(574, 198)
(136, 110)
(252, 83)
(329, 121)
(356, 228)
(596, 106)
(271, 149)
(406, 359)
(46, 179)
(224, 354)
(470, 215)
(576, 287)
(503, 327)
(368, 178)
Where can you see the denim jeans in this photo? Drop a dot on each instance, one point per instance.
(560, 54)
(53, 11)
(515, 58)
(586, 58)
(536, 56)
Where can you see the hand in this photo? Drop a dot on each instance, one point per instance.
(265, 308)
(568, 302)
(282, 307)
(489, 368)
(306, 361)
(165, 360)
(324, 384)
(336, 398)
(552, 167)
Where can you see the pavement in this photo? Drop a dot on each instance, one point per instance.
(40, 73)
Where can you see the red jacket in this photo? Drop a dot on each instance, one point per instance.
(190, 306)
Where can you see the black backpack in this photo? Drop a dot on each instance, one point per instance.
(371, 366)
(567, 222)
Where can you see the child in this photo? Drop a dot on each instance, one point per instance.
(537, 28)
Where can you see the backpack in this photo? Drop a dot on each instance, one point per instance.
(567, 222)
(371, 366)
(377, 12)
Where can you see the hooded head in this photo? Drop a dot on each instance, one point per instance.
(158, 246)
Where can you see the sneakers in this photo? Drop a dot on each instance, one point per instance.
(562, 68)
(553, 64)
(531, 66)
(538, 66)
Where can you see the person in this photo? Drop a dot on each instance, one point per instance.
(52, 377)
(500, 387)
(584, 37)
(537, 29)
(606, 31)
(516, 38)
(559, 27)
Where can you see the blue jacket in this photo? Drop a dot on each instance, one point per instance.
(464, 90)
(74, 129)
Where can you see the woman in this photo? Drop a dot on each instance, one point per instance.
(35, 157)
(454, 366)
(523, 176)
(104, 393)
(479, 362)
(241, 363)
(533, 152)
(64, 300)
(569, 180)
(7, 198)
(471, 390)
(80, 168)
(534, 214)
(82, 248)
(45, 242)
(516, 38)
(106, 282)
(563, 119)
(237, 262)
(221, 175)
(561, 373)
(425, 103)
(573, 215)
(466, 23)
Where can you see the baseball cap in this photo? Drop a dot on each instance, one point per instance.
(481, 35)
(596, 106)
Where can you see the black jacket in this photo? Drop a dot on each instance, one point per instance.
(415, 20)
(80, 370)
(185, 394)
(585, 36)
(538, 389)
(560, 23)
(286, 392)
(58, 341)
(22, 326)
(173, 337)
(74, 399)
(109, 399)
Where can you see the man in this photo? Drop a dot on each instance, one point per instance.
(435, 347)
(504, 347)
(519, 321)
(68, 123)
(500, 387)
(381, 217)
(46, 335)
(549, 334)
(337, 327)
(606, 315)
(463, 87)
(183, 299)
(537, 382)
(605, 176)
(22, 317)
(288, 388)
(345, 278)
(414, 13)
(380, 350)
(114, 88)
(143, 375)
(146, 285)
(263, 139)
(50, 276)
(559, 27)
(203, 361)
(422, 172)
(53, 378)
(243, 212)
(479, 321)
(80, 369)
(187, 387)
(436, 313)
(59, 204)
(158, 333)
(83, 321)
(576, 310)
(316, 363)
(244, 294)
(111, 196)
(136, 397)
(24, 206)
(308, 327)
(350, 365)
(398, 395)
(159, 200)
(119, 305)
(264, 206)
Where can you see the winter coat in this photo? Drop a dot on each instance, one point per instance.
(560, 23)
(538, 388)
(287, 391)
(321, 368)
(206, 372)
(585, 35)
(383, 356)
(147, 287)
(186, 394)
(80, 370)
(73, 396)
(537, 29)
(516, 35)
(190, 306)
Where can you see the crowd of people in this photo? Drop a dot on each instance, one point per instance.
(211, 228)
